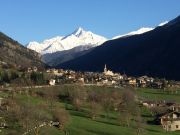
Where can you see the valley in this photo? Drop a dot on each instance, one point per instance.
(90, 67)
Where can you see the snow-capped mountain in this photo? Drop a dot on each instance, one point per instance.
(60, 49)
(139, 31)
(163, 23)
(79, 37)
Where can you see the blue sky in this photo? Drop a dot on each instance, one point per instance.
(36, 20)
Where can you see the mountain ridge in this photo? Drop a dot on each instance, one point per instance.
(16, 55)
(153, 53)
(79, 37)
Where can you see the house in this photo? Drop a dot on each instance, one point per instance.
(131, 81)
(29, 70)
(145, 81)
(52, 82)
(55, 72)
(149, 103)
(81, 80)
(171, 121)
(175, 107)
(157, 85)
(32, 69)
(141, 82)
(117, 76)
(71, 76)
(35, 69)
(113, 82)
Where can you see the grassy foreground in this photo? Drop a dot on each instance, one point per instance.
(81, 124)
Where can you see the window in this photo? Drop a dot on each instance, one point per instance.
(177, 126)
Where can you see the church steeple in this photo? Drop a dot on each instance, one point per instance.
(105, 69)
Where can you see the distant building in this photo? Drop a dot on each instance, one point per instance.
(108, 72)
(35, 69)
(157, 85)
(175, 107)
(107, 82)
(81, 80)
(29, 70)
(32, 69)
(171, 121)
(56, 72)
(131, 81)
(52, 82)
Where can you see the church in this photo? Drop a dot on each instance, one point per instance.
(108, 72)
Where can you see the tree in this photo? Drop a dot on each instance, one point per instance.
(51, 96)
(37, 78)
(116, 99)
(5, 76)
(157, 110)
(106, 103)
(35, 118)
(77, 96)
(25, 117)
(95, 108)
(139, 124)
(128, 107)
(11, 113)
(13, 75)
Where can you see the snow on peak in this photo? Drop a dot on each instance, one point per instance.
(139, 31)
(79, 31)
(79, 37)
(163, 23)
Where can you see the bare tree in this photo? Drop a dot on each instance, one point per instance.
(78, 96)
(127, 107)
(95, 108)
(157, 110)
(51, 95)
(139, 124)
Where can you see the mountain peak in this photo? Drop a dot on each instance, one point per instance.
(79, 31)
(79, 37)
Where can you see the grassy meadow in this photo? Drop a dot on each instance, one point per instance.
(80, 122)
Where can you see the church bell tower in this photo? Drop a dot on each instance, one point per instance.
(105, 69)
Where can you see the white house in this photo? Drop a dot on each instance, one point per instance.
(52, 82)
(171, 121)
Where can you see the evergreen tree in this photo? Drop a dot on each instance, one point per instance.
(37, 78)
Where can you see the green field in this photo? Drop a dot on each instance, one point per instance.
(81, 124)
(158, 94)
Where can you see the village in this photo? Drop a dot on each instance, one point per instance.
(170, 120)
(165, 112)
(106, 78)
